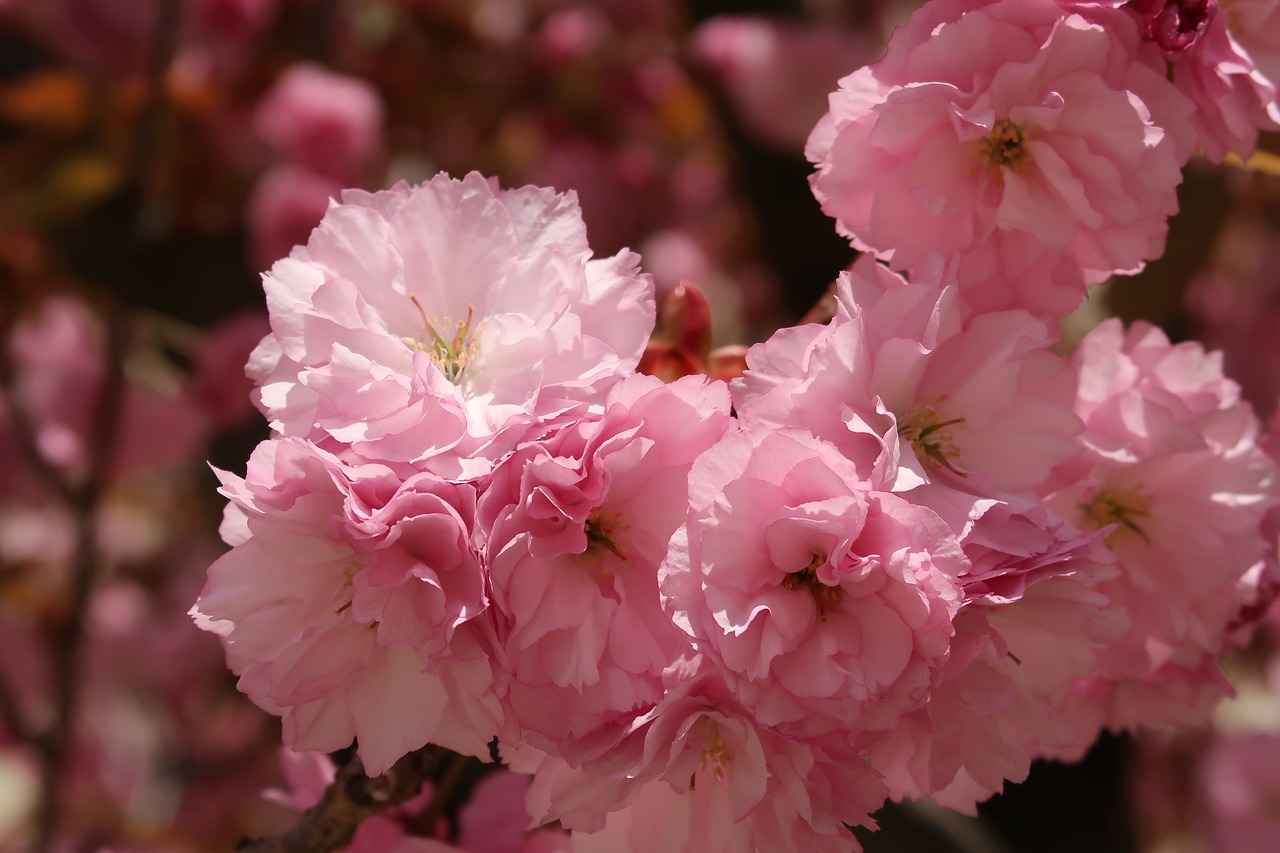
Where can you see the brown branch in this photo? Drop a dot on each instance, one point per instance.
(353, 796)
(69, 642)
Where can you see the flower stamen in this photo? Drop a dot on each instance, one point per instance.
(1004, 146)
(926, 431)
(452, 357)
(807, 578)
(1121, 507)
(601, 530)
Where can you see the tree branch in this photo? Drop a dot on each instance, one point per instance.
(331, 824)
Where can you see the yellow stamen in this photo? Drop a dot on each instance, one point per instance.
(1004, 146)
(1121, 507)
(934, 447)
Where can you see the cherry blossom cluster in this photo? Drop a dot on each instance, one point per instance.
(902, 555)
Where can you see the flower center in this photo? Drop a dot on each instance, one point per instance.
(716, 754)
(927, 432)
(452, 355)
(807, 578)
(1004, 146)
(601, 530)
(1121, 507)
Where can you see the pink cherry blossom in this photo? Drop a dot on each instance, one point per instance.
(580, 522)
(910, 395)
(1225, 57)
(827, 604)
(281, 600)
(1060, 130)
(699, 772)
(329, 123)
(1232, 75)
(438, 323)
(1172, 473)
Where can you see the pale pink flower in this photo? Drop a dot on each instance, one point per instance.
(827, 604)
(281, 601)
(1172, 473)
(910, 395)
(423, 580)
(1000, 701)
(579, 523)
(437, 324)
(1059, 130)
(329, 123)
(777, 74)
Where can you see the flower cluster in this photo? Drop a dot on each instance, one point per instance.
(902, 555)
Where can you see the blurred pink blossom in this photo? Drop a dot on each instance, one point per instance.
(284, 208)
(329, 123)
(777, 74)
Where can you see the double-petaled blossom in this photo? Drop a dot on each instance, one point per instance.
(700, 772)
(1050, 153)
(437, 325)
(1032, 623)
(827, 604)
(1171, 471)
(910, 395)
(285, 600)
(1224, 56)
(578, 523)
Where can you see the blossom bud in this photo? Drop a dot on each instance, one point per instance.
(1176, 25)
(727, 362)
(667, 361)
(686, 320)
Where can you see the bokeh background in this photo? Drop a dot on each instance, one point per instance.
(155, 155)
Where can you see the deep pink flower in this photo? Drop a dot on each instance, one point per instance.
(910, 395)
(1059, 130)
(579, 523)
(827, 604)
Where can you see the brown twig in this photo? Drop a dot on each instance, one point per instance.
(68, 648)
(353, 796)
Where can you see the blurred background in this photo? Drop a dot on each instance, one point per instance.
(156, 155)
